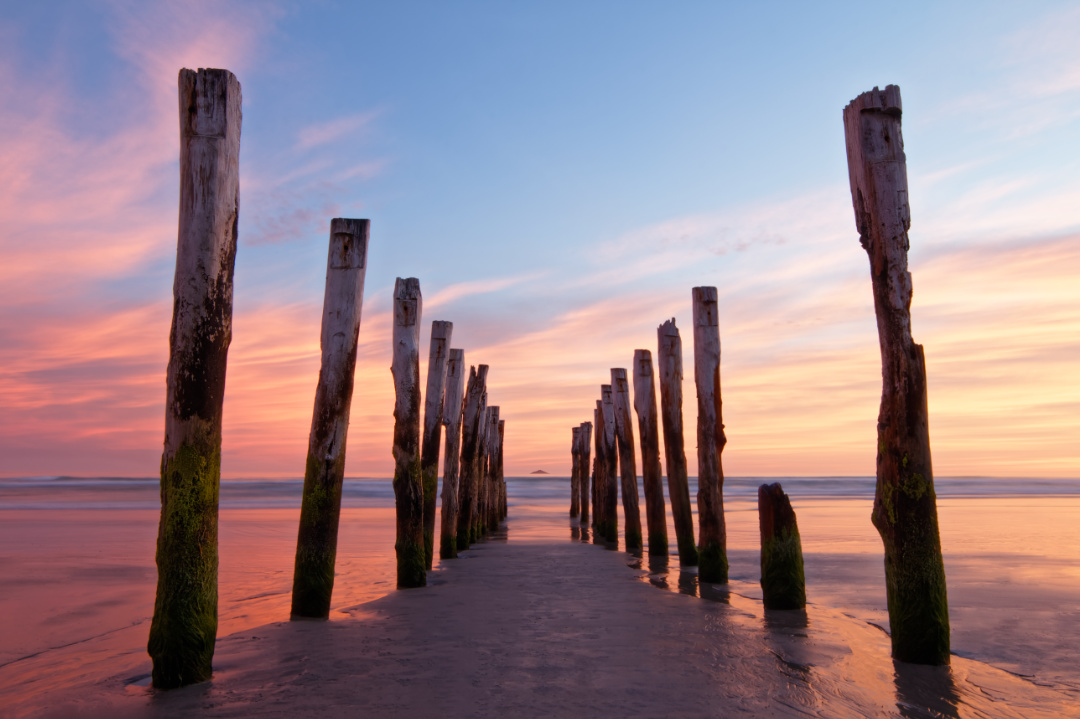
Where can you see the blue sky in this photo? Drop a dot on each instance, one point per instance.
(558, 175)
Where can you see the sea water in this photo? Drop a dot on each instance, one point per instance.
(77, 575)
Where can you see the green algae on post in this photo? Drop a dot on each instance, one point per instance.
(783, 580)
(408, 486)
(433, 421)
(712, 542)
(669, 358)
(320, 507)
(648, 431)
(452, 408)
(184, 626)
(905, 505)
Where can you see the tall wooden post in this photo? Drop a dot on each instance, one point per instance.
(598, 451)
(905, 505)
(479, 526)
(669, 357)
(433, 420)
(712, 537)
(470, 432)
(609, 530)
(184, 626)
(575, 477)
(408, 487)
(585, 441)
(452, 409)
(324, 471)
(648, 431)
(491, 507)
(783, 581)
(624, 436)
(502, 478)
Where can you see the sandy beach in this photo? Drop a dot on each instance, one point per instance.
(539, 629)
(536, 621)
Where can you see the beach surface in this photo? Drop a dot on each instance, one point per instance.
(534, 621)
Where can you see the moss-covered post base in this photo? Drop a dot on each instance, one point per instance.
(184, 627)
(783, 581)
(408, 486)
(905, 505)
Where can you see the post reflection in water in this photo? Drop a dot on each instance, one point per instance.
(920, 688)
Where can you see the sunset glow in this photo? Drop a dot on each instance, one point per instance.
(556, 227)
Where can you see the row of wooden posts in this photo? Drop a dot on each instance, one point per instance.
(184, 626)
(783, 583)
(905, 509)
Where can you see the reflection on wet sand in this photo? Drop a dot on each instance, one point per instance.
(919, 688)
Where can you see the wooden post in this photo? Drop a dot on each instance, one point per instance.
(669, 356)
(491, 507)
(479, 525)
(783, 582)
(712, 537)
(905, 505)
(452, 410)
(184, 626)
(502, 478)
(610, 496)
(585, 441)
(408, 487)
(324, 470)
(470, 432)
(624, 436)
(433, 409)
(575, 476)
(651, 474)
(598, 450)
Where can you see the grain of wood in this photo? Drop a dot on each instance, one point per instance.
(184, 625)
(712, 537)
(453, 405)
(649, 434)
(624, 438)
(905, 504)
(408, 486)
(438, 355)
(669, 358)
(324, 472)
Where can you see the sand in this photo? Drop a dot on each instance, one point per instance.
(541, 628)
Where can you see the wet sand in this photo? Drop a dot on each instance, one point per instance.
(537, 628)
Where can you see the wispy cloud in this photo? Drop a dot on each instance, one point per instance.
(323, 133)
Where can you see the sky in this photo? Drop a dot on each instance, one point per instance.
(558, 175)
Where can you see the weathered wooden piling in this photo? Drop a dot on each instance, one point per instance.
(584, 443)
(408, 487)
(609, 497)
(905, 505)
(502, 478)
(184, 627)
(624, 437)
(669, 358)
(438, 354)
(712, 537)
(324, 470)
(479, 526)
(452, 410)
(649, 433)
(783, 582)
(470, 432)
(597, 510)
(491, 508)
(575, 476)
